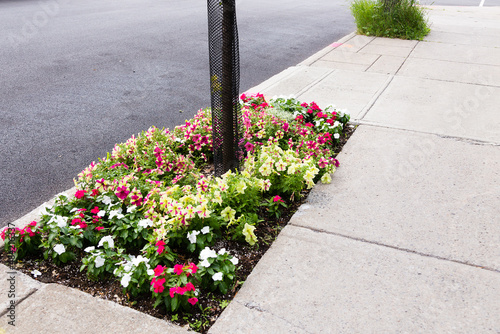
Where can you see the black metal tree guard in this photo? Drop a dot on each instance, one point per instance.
(224, 84)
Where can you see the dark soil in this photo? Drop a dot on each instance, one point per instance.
(210, 304)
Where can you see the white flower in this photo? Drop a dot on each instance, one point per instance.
(222, 251)
(205, 230)
(205, 263)
(336, 135)
(145, 223)
(108, 239)
(137, 260)
(59, 249)
(101, 213)
(99, 261)
(117, 213)
(234, 260)
(131, 209)
(60, 221)
(127, 267)
(73, 210)
(36, 273)
(89, 249)
(207, 253)
(106, 200)
(125, 280)
(217, 277)
(150, 272)
(192, 236)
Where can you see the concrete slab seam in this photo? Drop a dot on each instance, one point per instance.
(468, 140)
(254, 306)
(409, 54)
(29, 294)
(366, 70)
(406, 250)
(375, 97)
(315, 82)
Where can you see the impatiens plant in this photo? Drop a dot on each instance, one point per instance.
(148, 216)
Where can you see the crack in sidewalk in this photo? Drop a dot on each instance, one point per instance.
(19, 301)
(254, 306)
(397, 248)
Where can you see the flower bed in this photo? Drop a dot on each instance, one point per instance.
(148, 216)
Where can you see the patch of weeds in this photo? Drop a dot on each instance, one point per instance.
(390, 18)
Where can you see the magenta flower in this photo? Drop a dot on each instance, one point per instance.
(190, 286)
(277, 199)
(249, 147)
(178, 269)
(161, 246)
(193, 300)
(80, 193)
(158, 284)
(122, 192)
(95, 210)
(159, 270)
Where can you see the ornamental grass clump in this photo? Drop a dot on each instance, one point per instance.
(149, 217)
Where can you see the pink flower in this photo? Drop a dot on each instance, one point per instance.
(99, 228)
(172, 291)
(159, 270)
(286, 126)
(33, 223)
(76, 221)
(158, 284)
(190, 286)
(95, 192)
(277, 199)
(122, 192)
(161, 246)
(95, 210)
(249, 147)
(193, 300)
(83, 225)
(178, 269)
(28, 230)
(80, 193)
(193, 268)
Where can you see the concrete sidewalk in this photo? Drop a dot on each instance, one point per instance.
(406, 238)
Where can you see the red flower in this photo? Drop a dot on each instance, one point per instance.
(178, 269)
(159, 270)
(83, 225)
(33, 223)
(95, 192)
(80, 193)
(95, 210)
(160, 245)
(193, 300)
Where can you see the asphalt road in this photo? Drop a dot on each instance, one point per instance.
(79, 76)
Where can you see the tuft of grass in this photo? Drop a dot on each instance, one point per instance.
(390, 18)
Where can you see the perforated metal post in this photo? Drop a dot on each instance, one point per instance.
(224, 83)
